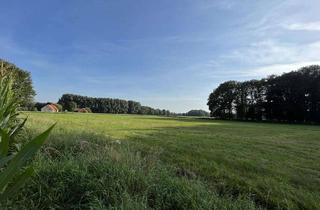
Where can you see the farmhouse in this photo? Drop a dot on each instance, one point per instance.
(50, 108)
(81, 110)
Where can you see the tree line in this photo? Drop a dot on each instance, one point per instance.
(194, 113)
(70, 102)
(24, 91)
(290, 97)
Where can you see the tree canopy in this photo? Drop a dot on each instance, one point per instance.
(290, 97)
(22, 83)
(198, 113)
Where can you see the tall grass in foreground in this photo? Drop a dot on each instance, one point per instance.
(13, 165)
(236, 165)
(77, 174)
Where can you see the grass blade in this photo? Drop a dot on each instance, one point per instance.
(18, 183)
(21, 158)
(4, 144)
(18, 127)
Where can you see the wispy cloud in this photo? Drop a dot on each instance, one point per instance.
(276, 69)
(272, 52)
(307, 26)
(260, 59)
(281, 16)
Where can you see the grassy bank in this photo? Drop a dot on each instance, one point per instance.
(99, 161)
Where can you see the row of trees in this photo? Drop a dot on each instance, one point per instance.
(291, 97)
(195, 113)
(23, 88)
(200, 113)
(107, 105)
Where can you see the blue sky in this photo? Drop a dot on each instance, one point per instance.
(168, 54)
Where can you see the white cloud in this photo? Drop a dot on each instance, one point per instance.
(272, 52)
(261, 59)
(307, 26)
(276, 69)
(264, 52)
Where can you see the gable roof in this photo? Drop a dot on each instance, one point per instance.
(51, 107)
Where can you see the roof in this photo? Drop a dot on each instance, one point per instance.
(51, 107)
(81, 110)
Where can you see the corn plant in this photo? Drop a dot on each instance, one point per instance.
(14, 169)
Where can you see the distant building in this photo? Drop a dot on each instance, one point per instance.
(50, 108)
(81, 110)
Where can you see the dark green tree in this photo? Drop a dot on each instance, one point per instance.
(22, 83)
(199, 113)
(222, 100)
(107, 105)
(290, 97)
(133, 107)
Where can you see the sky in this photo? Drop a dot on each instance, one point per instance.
(168, 54)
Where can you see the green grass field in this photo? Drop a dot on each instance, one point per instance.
(101, 161)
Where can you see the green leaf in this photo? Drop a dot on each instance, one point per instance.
(5, 160)
(18, 127)
(4, 144)
(21, 158)
(5, 121)
(19, 181)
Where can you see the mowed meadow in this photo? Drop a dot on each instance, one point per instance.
(105, 161)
